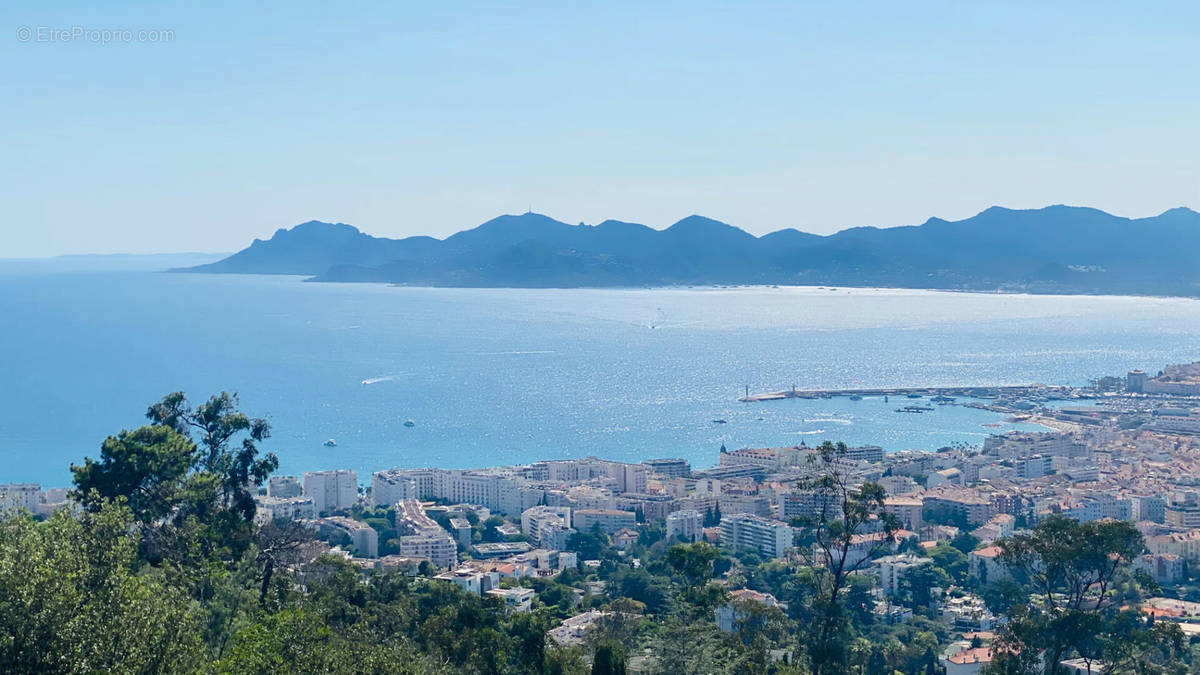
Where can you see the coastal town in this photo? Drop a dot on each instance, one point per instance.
(1132, 453)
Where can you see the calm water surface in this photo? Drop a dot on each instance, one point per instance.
(505, 376)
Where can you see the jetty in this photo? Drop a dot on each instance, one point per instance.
(1041, 391)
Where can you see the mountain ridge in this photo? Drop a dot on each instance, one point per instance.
(1058, 248)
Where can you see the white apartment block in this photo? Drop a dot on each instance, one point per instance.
(331, 490)
(284, 486)
(20, 496)
(686, 524)
(1188, 425)
(284, 508)
(499, 490)
(439, 547)
(545, 525)
(609, 520)
(364, 537)
(462, 531)
(770, 459)
(733, 502)
(669, 468)
(743, 530)
(898, 485)
(1024, 443)
(421, 536)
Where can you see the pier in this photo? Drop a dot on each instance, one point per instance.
(992, 391)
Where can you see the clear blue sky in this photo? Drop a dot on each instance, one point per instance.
(427, 118)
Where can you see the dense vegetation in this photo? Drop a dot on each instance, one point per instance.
(163, 570)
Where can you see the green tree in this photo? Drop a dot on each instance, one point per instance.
(1068, 569)
(693, 561)
(951, 560)
(846, 510)
(965, 542)
(609, 659)
(146, 467)
(917, 585)
(73, 601)
(589, 545)
(237, 466)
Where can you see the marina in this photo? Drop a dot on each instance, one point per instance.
(936, 394)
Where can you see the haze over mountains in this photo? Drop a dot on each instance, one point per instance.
(1057, 249)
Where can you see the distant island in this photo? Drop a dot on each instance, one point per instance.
(1057, 249)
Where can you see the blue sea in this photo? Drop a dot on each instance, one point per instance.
(507, 376)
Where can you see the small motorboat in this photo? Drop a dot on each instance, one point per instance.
(409, 423)
(720, 422)
(330, 443)
(855, 397)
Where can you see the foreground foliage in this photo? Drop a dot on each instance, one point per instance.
(163, 570)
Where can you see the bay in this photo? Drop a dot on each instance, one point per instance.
(502, 376)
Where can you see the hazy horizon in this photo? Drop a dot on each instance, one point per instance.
(204, 128)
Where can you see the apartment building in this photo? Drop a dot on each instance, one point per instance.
(972, 506)
(907, 509)
(421, 536)
(20, 496)
(284, 508)
(439, 547)
(1025, 443)
(687, 524)
(331, 490)
(669, 468)
(1149, 507)
(501, 490)
(1182, 515)
(284, 486)
(743, 530)
(363, 537)
(806, 503)
(1186, 545)
(547, 526)
(609, 520)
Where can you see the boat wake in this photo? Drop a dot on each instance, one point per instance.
(377, 380)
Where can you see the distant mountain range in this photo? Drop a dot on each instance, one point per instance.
(1057, 249)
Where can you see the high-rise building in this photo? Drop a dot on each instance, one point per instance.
(331, 490)
(1135, 382)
